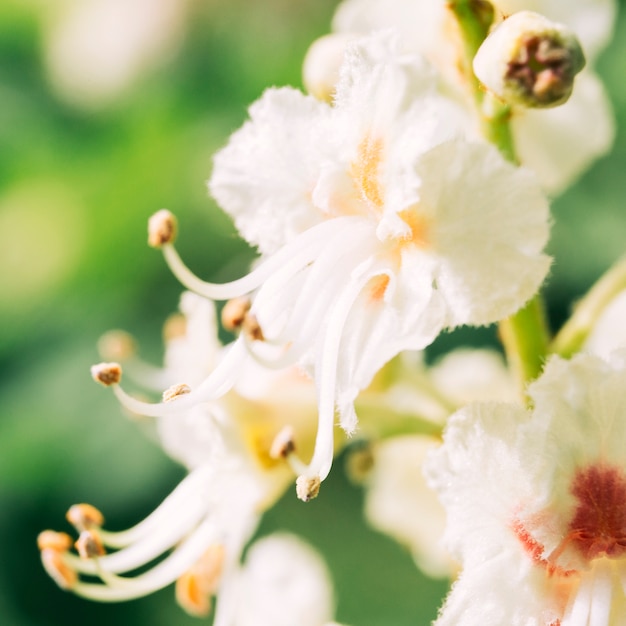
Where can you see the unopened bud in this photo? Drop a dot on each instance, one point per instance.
(175, 391)
(84, 517)
(530, 61)
(320, 71)
(106, 374)
(307, 487)
(89, 545)
(161, 228)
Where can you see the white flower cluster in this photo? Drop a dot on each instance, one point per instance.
(404, 197)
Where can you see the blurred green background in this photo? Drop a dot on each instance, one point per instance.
(79, 176)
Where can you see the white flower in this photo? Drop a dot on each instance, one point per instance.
(536, 502)
(379, 227)
(283, 582)
(200, 530)
(543, 139)
(95, 49)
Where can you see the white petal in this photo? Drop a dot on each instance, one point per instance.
(265, 176)
(559, 144)
(488, 236)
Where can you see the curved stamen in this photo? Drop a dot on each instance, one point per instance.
(295, 255)
(195, 482)
(326, 371)
(118, 589)
(214, 386)
(149, 547)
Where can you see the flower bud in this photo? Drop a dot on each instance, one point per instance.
(529, 60)
(320, 70)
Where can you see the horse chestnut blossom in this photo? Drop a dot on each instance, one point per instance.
(236, 472)
(379, 226)
(536, 501)
(558, 144)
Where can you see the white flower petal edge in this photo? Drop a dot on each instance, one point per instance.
(536, 502)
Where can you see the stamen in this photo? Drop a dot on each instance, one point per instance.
(252, 328)
(117, 345)
(89, 545)
(195, 482)
(54, 564)
(289, 260)
(84, 517)
(161, 229)
(53, 547)
(214, 386)
(308, 487)
(234, 313)
(119, 589)
(326, 371)
(283, 444)
(195, 587)
(52, 540)
(107, 374)
(175, 391)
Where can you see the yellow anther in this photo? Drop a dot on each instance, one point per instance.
(175, 391)
(234, 313)
(84, 517)
(161, 228)
(89, 545)
(307, 487)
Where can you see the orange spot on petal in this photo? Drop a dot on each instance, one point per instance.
(378, 286)
(418, 225)
(365, 171)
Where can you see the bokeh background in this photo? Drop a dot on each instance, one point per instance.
(93, 140)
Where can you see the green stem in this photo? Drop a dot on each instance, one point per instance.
(474, 18)
(525, 338)
(524, 335)
(572, 336)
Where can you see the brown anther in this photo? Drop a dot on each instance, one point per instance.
(107, 374)
(89, 545)
(116, 345)
(84, 517)
(57, 569)
(175, 326)
(176, 391)
(52, 540)
(161, 228)
(234, 313)
(307, 487)
(252, 328)
(283, 444)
